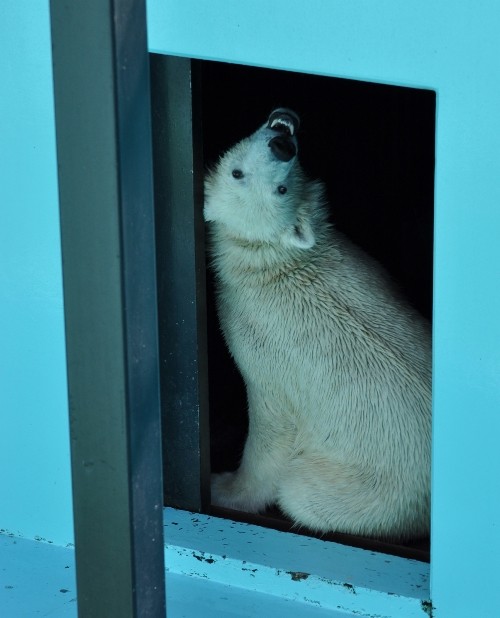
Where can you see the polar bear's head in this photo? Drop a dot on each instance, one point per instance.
(256, 191)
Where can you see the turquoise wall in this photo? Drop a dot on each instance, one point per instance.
(451, 47)
(35, 494)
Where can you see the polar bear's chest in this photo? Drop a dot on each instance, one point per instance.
(267, 330)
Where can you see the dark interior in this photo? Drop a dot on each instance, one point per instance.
(373, 146)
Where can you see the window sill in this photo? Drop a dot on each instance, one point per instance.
(217, 568)
(307, 572)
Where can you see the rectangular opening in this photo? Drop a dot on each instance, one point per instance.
(373, 147)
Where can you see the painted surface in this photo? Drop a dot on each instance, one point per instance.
(35, 499)
(218, 568)
(194, 597)
(309, 572)
(453, 48)
(36, 579)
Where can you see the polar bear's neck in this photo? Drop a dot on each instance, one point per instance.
(240, 261)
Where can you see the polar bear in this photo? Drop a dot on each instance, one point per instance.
(337, 366)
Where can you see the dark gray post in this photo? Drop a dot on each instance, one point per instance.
(101, 80)
(178, 172)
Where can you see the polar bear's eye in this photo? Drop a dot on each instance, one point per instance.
(237, 173)
(282, 189)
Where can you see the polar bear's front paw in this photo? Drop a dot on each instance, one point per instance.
(230, 491)
(222, 486)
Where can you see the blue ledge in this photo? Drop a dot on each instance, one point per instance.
(218, 568)
(310, 573)
(36, 579)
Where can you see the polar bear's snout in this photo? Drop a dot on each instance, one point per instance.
(285, 123)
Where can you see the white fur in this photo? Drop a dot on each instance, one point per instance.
(337, 366)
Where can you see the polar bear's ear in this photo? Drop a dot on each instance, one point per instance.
(301, 235)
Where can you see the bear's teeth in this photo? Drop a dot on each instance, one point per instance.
(284, 123)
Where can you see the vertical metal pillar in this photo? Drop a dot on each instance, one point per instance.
(178, 173)
(101, 81)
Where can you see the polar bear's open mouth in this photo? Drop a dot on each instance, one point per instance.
(284, 121)
(280, 124)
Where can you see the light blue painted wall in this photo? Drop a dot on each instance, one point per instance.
(35, 489)
(454, 48)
